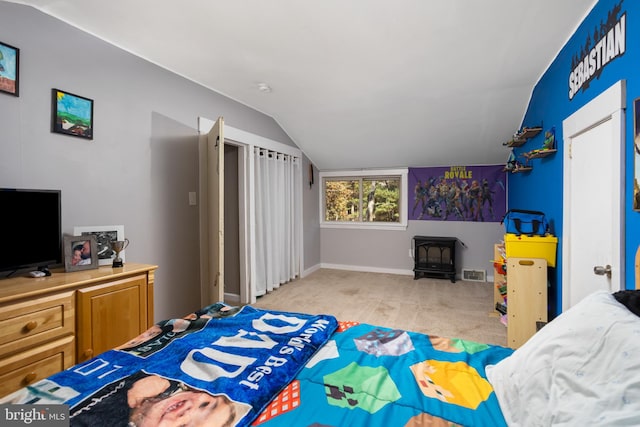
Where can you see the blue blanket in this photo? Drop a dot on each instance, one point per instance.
(219, 366)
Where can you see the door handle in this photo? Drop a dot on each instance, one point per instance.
(602, 271)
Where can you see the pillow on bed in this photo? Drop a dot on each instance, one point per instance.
(630, 299)
(583, 368)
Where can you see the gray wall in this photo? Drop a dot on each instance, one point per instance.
(231, 221)
(384, 250)
(142, 162)
(310, 217)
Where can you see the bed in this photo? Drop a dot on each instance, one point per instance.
(239, 366)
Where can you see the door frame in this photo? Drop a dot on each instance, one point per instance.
(246, 141)
(609, 105)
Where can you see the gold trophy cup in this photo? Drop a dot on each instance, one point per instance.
(118, 246)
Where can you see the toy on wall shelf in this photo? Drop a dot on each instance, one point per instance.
(514, 165)
(521, 136)
(548, 146)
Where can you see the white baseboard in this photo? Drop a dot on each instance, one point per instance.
(367, 269)
(310, 270)
(231, 298)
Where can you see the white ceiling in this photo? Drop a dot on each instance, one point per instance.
(355, 83)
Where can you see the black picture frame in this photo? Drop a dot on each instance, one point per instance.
(71, 114)
(74, 261)
(9, 69)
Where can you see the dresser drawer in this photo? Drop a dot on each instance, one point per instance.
(28, 323)
(33, 365)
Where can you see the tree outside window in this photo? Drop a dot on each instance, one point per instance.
(362, 199)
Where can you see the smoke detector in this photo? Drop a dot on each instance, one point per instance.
(263, 87)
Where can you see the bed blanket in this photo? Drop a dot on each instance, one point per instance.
(219, 366)
(378, 377)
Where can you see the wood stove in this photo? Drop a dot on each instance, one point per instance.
(434, 257)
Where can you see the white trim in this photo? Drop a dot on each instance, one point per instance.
(232, 298)
(367, 269)
(402, 203)
(609, 105)
(310, 270)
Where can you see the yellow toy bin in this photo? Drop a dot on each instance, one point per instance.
(523, 246)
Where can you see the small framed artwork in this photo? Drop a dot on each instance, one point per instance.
(104, 235)
(9, 69)
(71, 114)
(80, 253)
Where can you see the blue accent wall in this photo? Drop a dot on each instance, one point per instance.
(541, 189)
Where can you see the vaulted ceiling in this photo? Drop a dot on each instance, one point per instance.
(354, 83)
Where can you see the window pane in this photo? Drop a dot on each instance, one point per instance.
(381, 198)
(342, 200)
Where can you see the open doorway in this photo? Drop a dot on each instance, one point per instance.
(240, 179)
(232, 198)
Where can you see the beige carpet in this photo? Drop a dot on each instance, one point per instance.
(431, 306)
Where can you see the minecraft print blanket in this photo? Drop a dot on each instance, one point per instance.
(220, 366)
(377, 377)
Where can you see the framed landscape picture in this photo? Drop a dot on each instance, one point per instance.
(72, 114)
(9, 69)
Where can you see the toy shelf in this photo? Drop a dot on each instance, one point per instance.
(522, 136)
(519, 169)
(538, 154)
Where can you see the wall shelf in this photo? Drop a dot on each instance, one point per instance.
(522, 136)
(519, 169)
(538, 154)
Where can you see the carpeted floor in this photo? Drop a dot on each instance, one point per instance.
(431, 306)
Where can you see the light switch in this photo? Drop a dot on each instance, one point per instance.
(192, 198)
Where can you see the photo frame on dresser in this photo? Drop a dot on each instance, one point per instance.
(104, 235)
(9, 69)
(80, 253)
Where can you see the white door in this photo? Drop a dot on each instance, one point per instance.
(213, 268)
(593, 241)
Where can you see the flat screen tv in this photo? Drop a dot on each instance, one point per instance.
(31, 229)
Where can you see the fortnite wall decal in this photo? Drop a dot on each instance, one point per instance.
(609, 43)
(457, 193)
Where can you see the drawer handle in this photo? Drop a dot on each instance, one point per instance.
(88, 353)
(28, 379)
(31, 325)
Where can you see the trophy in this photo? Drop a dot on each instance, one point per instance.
(118, 246)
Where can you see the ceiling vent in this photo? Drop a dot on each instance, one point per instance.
(474, 275)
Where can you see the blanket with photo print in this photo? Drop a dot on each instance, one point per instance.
(220, 366)
(378, 377)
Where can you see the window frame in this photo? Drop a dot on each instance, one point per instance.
(402, 173)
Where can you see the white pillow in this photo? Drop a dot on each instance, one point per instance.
(582, 369)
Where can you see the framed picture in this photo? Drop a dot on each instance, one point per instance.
(71, 114)
(104, 235)
(636, 154)
(9, 69)
(80, 253)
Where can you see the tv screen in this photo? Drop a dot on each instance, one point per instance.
(31, 228)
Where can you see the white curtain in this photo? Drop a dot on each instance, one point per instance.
(277, 248)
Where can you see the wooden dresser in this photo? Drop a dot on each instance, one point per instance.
(50, 323)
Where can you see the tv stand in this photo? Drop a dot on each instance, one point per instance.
(51, 323)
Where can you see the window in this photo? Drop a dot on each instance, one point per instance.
(363, 199)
